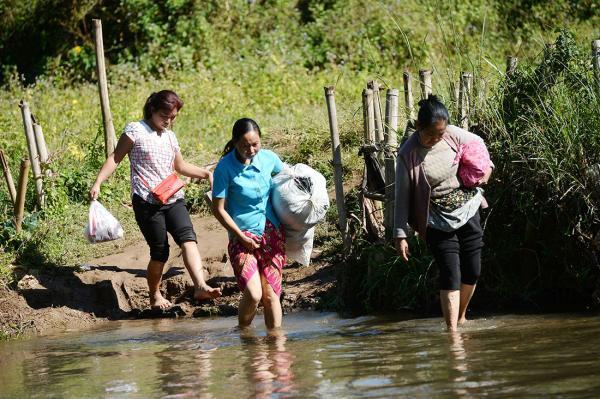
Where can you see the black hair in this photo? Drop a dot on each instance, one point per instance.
(240, 128)
(164, 100)
(431, 111)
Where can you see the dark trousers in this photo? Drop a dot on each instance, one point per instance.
(457, 253)
(156, 220)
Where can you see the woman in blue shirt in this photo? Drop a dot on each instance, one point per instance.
(241, 203)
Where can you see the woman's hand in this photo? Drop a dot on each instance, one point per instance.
(485, 178)
(402, 248)
(248, 243)
(94, 191)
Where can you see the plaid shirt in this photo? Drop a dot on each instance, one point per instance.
(151, 157)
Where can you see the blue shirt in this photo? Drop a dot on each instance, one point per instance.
(247, 188)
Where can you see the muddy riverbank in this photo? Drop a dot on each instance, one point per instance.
(114, 288)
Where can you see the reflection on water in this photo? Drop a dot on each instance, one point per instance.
(316, 355)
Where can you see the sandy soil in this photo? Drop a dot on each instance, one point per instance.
(114, 287)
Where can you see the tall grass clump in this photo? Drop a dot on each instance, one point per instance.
(543, 231)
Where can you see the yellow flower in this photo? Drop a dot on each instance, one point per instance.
(77, 50)
(75, 151)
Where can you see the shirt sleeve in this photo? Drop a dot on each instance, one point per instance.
(278, 165)
(402, 200)
(176, 148)
(220, 181)
(131, 131)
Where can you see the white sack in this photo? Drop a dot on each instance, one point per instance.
(300, 200)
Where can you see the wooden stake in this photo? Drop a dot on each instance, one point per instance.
(22, 190)
(337, 166)
(466, 80)
(8, 176)
(511, 65)
(369, 117)
(40, 141)
(596, 60)
(425, 81)
(390, 195)
(379, 132)
(33, 152)
(408, 96)
(391, 120)
(109, 130)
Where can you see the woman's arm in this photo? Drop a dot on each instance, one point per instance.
(218, 209)
(191, 170)
(123, 147)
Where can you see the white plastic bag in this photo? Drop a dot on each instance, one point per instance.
(102, 225)
(300, 200)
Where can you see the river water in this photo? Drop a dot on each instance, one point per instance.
(319, 355)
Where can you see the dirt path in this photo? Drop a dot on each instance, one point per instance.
(114, 287)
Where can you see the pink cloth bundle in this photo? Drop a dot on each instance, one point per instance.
(473, 161)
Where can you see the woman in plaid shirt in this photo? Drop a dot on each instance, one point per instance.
(154, 152)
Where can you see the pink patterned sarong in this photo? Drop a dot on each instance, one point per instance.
(269, 259)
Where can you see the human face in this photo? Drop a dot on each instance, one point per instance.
(163, 119)
(248, 146)
(433, 134)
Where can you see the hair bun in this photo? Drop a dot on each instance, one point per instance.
(422, 102)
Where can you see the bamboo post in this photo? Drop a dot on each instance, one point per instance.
(391, 119)
(511, 65)
(464, 99)
(8, 176)
(425, 81)
(379, 132)
(391, 142)
(22, 190)
(109, 130)
(33, 152)
(369, 116)
(40, 142)
(596, 60)
(337, 166)
(408, 96)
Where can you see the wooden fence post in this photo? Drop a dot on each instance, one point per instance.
(337, 166)
(464, 99)
(22, 190)
(378, 118)
(391, 119)
(408, 96)
(109, 130)
(369, 116)
(8, 176)
(391, 142)
(33, 152)
(425, 81)
(40, 142)
(511, 65)
(596, 60)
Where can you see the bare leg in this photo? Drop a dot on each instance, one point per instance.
(450, 301)
(466, 293)
(193, 264)
(272, 304)
(249, 301)
(154, 276)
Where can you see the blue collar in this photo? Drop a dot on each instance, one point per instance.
(254, 163)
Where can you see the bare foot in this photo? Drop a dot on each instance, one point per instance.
(462, 321)
(157, 301)
(206, 292)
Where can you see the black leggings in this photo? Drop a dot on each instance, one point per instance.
(457, 253)
(156, 220)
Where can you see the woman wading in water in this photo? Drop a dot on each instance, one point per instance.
(431, 199)
(241, 203)
(154, 153)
